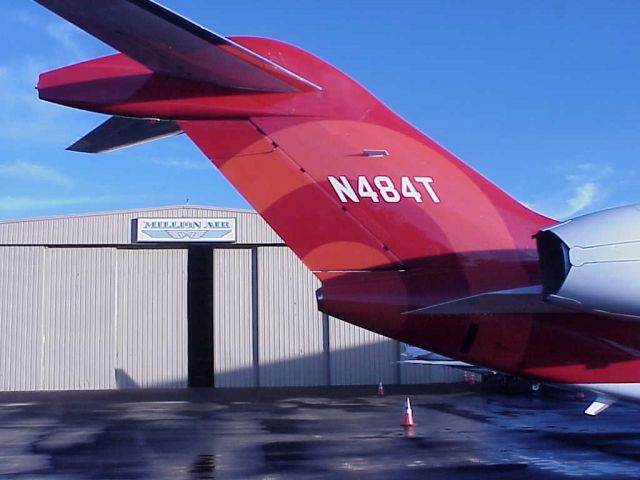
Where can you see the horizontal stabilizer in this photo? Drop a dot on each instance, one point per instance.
(171, 45)
(120, 132)
(519, 300)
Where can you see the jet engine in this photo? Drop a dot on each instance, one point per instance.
(592, 262)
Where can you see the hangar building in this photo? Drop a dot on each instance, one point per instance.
(174, 297)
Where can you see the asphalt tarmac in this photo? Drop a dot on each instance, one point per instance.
(350, 433)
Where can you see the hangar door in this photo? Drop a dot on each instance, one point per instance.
(151, 320)
(93, 318)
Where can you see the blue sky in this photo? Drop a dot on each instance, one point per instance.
(542, 97)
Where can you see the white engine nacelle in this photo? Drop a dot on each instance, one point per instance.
(593, 262)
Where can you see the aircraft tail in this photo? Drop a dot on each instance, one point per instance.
(352, 195)
(346, 183)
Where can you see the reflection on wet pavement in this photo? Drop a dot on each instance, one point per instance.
(308, 434)
(204, 467)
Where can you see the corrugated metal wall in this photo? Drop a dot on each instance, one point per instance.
(106, 317)
(20, 317)
(151, 320)
(290, 326)
(78, 314)
(233, 318)
(360, 357)
(92, 318)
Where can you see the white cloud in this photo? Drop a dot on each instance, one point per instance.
(583, 197)
(65, 34)
(181, 163)
(21, 204)
(35, 172)
(585, 189)
(23, 117)
(26, 18)
(591, 171)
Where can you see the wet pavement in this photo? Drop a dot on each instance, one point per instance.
(316, 433)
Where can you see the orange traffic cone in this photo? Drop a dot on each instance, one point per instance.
(380, 390)
(408, 414)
